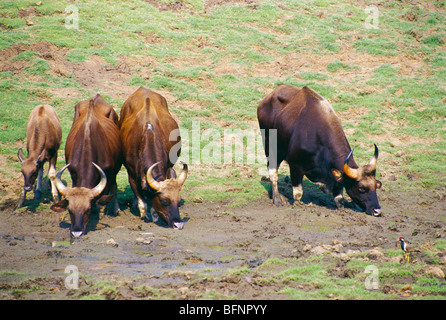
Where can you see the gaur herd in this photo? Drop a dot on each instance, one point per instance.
(306, 134)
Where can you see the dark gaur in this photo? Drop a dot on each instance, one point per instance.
(152, 145)
(311, 139)
(93, 155)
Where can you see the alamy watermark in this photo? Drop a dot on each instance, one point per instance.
(72, 280)
(371, 282)
(372, 20)
(230, 146)
(72, 20)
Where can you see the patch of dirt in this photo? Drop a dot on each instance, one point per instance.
(10, 187)
(9, 65)
(180, 5)
(25, 13)
(215, 3)
(95, 75)
(295, 62)
(46, 50)
(176, 6)
(353, 114)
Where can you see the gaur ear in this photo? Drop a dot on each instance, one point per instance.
(378, 184)
(171, 174)
(76, 112)
(60, 206)
(113, 116)
(104, 199)
(337, 174)
(20, 155)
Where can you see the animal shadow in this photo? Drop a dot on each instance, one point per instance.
(312, 193)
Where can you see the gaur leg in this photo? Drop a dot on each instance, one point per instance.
(114, 192)
(274, 176)
(296, 180)
(142, 205)
(154, 214)
(101, 207)
(274, 162)
(38, 192)
(337, 196)
(21, 199)
(52, 176)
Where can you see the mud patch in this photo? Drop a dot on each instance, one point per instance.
(180, 5)
(174, 6)
(215, 3)
(94, 75)
(45, 50)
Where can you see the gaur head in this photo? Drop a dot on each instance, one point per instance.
(78, 201)
(167, 197)
(361, 184)
(30, 169)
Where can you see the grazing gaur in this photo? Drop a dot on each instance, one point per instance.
(310, 138)
(94, 156)
(148, 133)
(43, 138)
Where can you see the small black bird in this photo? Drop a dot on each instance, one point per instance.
(406, 249)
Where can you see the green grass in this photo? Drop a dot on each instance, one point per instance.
(11, 273)
(338, 65)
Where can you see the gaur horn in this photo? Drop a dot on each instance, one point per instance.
(101, 185)
(350, 172)
(374, 159)
(183, 174)
(39, 158)
(155, 185)
(59, 184)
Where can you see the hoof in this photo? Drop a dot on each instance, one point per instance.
(154, 215)
(278, 201)
(20, 203)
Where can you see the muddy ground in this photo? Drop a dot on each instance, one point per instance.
(149, 261)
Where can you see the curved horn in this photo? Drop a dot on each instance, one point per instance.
(183, 174)
(374, 159)
(101, 185)
(350, 172)
(63, 189)
(155, 185)
(38, 158)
